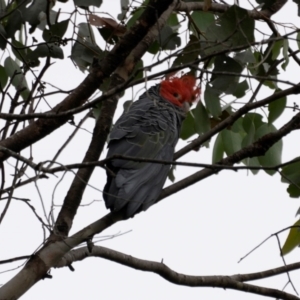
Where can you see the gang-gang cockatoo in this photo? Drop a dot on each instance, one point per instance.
(149, 129)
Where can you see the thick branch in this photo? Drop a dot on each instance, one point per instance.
(267, 273)
(226, 282)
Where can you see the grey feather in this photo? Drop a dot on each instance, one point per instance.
(149, 129)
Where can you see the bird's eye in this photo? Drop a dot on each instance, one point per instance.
(175, 95)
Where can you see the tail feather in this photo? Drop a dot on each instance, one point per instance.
(135, 190)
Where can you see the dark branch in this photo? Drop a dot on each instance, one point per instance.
(225, 282)
(221, 8)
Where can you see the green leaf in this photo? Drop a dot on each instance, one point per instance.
(232, 141)
(173, 21)
(97, 110)
(168, 39)
(85, 33)
(252, 162)
(245, 57)
(82, 59)
(276, 49)
(285, 53)
(48, 50)
(291, 172)
(197, 121)
(187, 128)
(298, 2)
(138, 66)
(86, 3)
(2, 8)
(136, 14)
(56, 31)
(56, 52)
(18, 79)
(154, 48)
(108, 35)
(273, 156)
(3, 37)
(33, 13)
(84, 49)
(250, 136)
(124, 9)
(24, 54)
(237, 126)
(189, 53)
(212, 101)
(104, 87)
(276, 108)
(293, 239)
(218, 150)
(261, 67)
(233, 28)
(298, 40)
(202, 122)
(171, 175)
(202, 20)
(15, 19)
(248, 140)
(294, 191)
(265, 4)
(241, 88)
(53, 16)
(225, 83)
(3, 77)
(252, 119)
(19, 50)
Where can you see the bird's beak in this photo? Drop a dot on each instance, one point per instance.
(186, 106)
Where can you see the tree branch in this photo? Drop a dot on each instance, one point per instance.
(235, 282)
(221, 8)
(101, 163)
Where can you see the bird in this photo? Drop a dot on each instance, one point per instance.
(149, 129)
